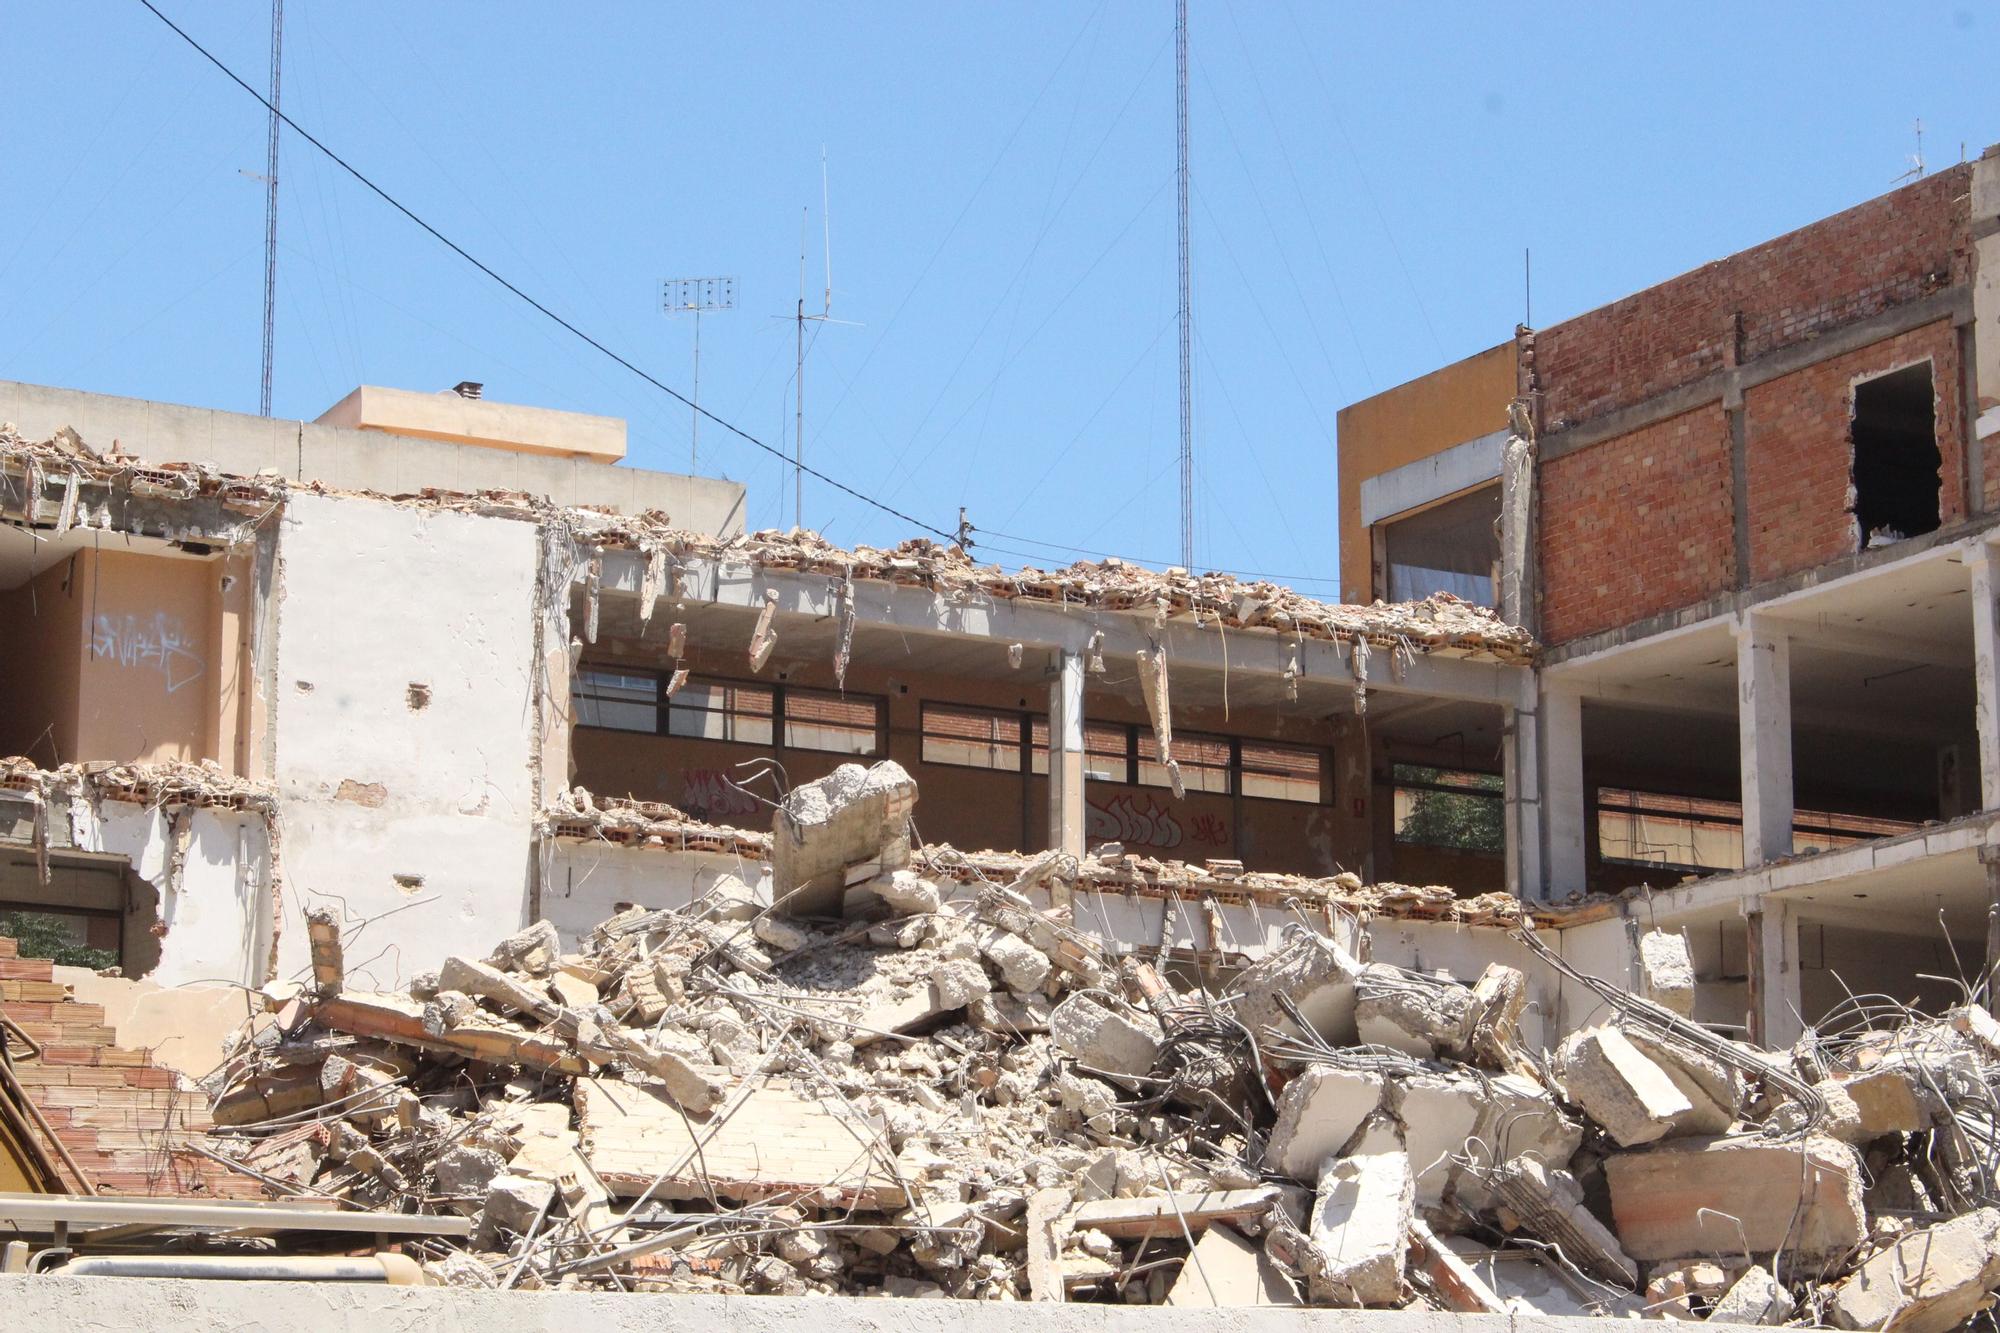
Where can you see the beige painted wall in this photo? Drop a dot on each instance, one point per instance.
(148, 681)
(1453, 404)
(41, 648)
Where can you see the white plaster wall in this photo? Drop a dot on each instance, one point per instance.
(218, 918)
(373, 597)
(584, 882)
(1601, 949)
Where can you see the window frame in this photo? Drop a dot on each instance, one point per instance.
(778, 718)
(1022, 747)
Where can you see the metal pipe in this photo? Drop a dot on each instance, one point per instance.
(394, 1269)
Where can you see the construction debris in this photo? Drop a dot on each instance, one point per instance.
(895, 1071)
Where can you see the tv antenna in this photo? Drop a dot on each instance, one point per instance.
(800, 320)
(691, 296)
(1916, 159)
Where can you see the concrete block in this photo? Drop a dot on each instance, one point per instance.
(1318, 1113)
(1714, 1090)
(512, 1204)
(1886, 1101)
(1618, 1087)
(1927, 1282)
(1693, 1198)
(1418, 1017)
(1549, 1204)
(1316, 975)
(1460, 1127)
(1022, 966)
(1225, 1269)
(1493, 1021)
(851, 817)
(1360, 1226)
(1666, 971)
(1010, 1014)
(1754, 1298)
(1103, 1039)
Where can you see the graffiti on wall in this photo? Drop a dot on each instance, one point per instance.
(1140, 821)
(158, 642)
(707, 794)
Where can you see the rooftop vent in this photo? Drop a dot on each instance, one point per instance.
(468, 388)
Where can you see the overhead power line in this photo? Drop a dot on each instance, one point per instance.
(544, 310)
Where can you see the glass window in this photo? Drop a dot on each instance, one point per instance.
(1283, 772)
(1204, 762)
(621, 700)
(823, 720)
(973, 737)
(1107, 755)
(1693, 833)
(1448, 807)
(1452, 547)
(722, 711)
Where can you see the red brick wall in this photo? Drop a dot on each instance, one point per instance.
(124, 1119)
(1636, 525)
(1800, 456)
(1871, 257)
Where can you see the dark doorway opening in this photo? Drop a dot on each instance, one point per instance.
(1897, 474)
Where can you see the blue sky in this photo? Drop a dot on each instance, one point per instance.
(1002, 218)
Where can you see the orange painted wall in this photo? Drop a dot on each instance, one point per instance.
(41, 647)
(975, 809)
(1449, 406)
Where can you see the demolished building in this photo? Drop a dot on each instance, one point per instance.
(1080, 932)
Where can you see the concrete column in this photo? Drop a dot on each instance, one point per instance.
(1520, 759)
(1776, 1003)
(1066, 755)
(1764, 732)
(1985, 572)
(1565, 811)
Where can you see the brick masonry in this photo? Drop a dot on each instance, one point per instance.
(1637, 525)
(124, 1119)
(1799, 456)
(1644, 523)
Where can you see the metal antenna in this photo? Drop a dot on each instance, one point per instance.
(1187, 298)
(271, 207)
(800, 319)
(683, 296)
(1916, 170)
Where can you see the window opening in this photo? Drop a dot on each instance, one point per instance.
(1897, 467)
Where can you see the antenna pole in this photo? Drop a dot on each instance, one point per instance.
(691, 296)
(271, 207)
(799, 391)
(694, 413)
(1187, 300)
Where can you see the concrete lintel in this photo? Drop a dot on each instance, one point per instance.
(1048, 627)
(1433, 478)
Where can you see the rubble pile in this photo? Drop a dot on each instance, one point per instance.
(858, 1077)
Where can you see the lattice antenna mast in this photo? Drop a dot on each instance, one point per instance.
(1187, 295)
(271, 207)
(691, 296)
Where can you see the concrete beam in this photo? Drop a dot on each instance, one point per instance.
(1052, 627)
(1764, 730)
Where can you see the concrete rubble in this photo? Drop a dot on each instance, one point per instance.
(930, 1082)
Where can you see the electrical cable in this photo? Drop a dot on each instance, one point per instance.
(468, 257)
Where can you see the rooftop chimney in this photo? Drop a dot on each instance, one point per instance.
(467, 388)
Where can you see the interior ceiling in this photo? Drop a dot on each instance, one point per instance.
(1905, 899)
(1472, 730)
(25, 555)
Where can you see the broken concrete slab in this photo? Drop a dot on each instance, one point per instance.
(773, 1139)
(513, 1205)
(1165, 1214)
(1618, 1087)
(1450, 1279)
(1693, 1198)
(1885, 1102)
(1316, 976)
(1102, 1039)
(1713, 1089)
(1754, 1298)
(1318, 1113)
(1548, 1203)
(1666, 971)
(1493, 1019)
(1927, 1282)
(1226, 1269)
(852, 817)
(1360, 1227)
(1416, 1015)
(1460, 1127)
